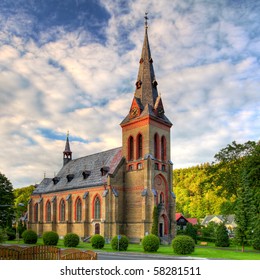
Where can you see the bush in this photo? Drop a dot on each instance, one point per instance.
(29, 237)
(71, 240)
(11, 234)
(97, 241)
(50, 238)
(183, 244)
(123, 243)
(151, 243)
(222, 238)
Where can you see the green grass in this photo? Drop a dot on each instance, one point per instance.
(209, 252)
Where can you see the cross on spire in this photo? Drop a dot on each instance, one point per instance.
(146, 20)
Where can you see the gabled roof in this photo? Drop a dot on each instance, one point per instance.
(94, 163)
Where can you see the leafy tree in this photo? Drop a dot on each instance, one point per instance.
(222, 238)
(6, 202)
(22, 196)
(155, 221)
(191, 231)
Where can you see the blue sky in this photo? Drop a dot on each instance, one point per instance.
(72, 65)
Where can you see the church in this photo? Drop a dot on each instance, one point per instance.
(115, 192)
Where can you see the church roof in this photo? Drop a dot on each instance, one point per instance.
(88, 171)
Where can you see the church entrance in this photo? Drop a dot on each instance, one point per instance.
(161, 229)
(97, 228)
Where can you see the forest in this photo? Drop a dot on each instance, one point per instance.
(220, 187)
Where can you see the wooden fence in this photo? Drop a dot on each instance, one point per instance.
(44, 252)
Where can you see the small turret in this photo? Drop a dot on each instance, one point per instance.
(67, 154)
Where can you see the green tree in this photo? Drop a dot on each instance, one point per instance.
(191, 231)
(222, 238)
(22, 196)
(6, 202)
(155, 221)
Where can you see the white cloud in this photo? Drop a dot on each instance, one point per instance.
(206, 60)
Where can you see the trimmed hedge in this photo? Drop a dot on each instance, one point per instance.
(29, 237)
(183, 244)
(123, 243)
(151, 243)
(71, 240)
(97, 241)
(50, 238)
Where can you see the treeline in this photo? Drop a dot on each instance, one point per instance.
(218, 188)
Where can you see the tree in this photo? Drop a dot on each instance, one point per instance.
(222, 238)
(191, 231)
(22, 196)
(155, 221)
(6, 202)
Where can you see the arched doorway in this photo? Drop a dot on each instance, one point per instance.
(163, 225)
(97, 228)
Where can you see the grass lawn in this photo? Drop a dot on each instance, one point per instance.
(209, 252)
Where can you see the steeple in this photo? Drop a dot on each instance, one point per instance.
(146, 99)
(146, 84)
(67, 154)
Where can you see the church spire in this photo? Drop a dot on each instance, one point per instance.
(67, 153)
(146, 84)
(146, 101)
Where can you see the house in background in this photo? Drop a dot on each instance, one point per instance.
(181, 221)
(228, 220)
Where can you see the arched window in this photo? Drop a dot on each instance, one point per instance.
(130, 148)
(62, 210)
(139, 147)
(163, 148)
(36, 212)
(156, 145)
(48, 211)
(78, 210)
(97, 208)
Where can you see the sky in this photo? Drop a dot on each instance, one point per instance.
(71, 65)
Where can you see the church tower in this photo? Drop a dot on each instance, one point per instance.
(146, 149)
(67, 153)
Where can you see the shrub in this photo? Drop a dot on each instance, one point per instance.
(97, 241)
(183, 244)
(29, 237)
(50, 238)
(123, 243)
(71, 240)
(222, 238)
(151, 243)
(11, 234)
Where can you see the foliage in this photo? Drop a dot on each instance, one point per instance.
(6, 202)
(222, 238)
(22, 196)
(191, 231)
(183, 245)
(123, 243)
(71, 240)
(11, 234)
(50, 238)
(155, 221)
(151, 243)
(29, 236)
(97, 241)
(256, 233)
(3, 236)
(21, 228)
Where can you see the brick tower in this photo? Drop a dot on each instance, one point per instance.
(146, 149)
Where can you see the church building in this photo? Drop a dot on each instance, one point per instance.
(115, 192)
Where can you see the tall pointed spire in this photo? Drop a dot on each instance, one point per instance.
(146, 85)
(146, 101)
(67, 153)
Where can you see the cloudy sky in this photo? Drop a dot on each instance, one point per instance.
(72, 65)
